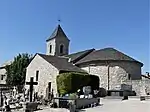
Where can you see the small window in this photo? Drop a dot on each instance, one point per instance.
(2, 77)
(129, 76)
(50, 48)
(37, 75)
(61, 49)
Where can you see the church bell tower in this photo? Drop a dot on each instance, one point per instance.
(57, 43)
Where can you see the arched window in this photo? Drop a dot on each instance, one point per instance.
(61, 49)
(50, 49)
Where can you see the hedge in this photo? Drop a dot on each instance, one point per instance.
(70, 82)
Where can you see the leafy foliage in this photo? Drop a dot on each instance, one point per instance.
(102, 92)
(16, 71)
(70, 82)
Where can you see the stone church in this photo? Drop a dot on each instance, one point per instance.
(113, 67)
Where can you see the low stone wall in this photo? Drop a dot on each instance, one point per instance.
(79, 102)
(140, 86)
(83, 102)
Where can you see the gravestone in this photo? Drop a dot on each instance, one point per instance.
(126, 87)
(14, 92)
(87, 90)
(2, 89)
(1, 98)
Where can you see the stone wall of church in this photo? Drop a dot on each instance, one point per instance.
(47, 73)
(3, 76)
(118, 73)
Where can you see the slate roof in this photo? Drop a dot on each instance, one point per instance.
(61, 63)
(145, 76)
(107, 54)
(79, 55)
(57, 33)
(6, 63)
(2, 67)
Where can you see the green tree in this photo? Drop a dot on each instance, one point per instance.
(16, 71)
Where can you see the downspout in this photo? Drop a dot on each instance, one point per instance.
(108, 74)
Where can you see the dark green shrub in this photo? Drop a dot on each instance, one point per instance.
(102, 92)
(70, 82)
(94, 82)
(64, 83)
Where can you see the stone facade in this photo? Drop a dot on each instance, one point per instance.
(47, 73)
(119, 73)
(3, 75)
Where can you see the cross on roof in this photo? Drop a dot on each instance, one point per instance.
(31, 83)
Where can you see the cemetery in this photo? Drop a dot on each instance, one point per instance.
(76, 92)
(72, 95)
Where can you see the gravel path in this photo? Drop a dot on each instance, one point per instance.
(111, 105)
(131, 105)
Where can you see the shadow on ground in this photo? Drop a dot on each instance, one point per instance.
(83, 110)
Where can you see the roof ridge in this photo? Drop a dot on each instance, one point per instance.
(79, 55)
(81, 51)
(62, 57)
(60, 63)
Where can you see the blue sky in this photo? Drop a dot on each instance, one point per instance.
(122, 24)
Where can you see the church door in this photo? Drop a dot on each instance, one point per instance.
(48, 91)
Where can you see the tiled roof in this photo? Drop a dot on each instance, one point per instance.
(6, 63)
(107, 54)
(147, 77)
(79, 55)
(60, 63)
(2, 67)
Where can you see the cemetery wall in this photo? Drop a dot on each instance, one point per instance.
(47, 73)
(142, 87)
(146, 83)
(137, 86)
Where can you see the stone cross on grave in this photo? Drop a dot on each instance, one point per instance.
(31, 84)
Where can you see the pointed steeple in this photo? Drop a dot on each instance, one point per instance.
(57, 43)
(58, 32)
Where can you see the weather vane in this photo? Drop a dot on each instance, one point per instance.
(59, 20)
